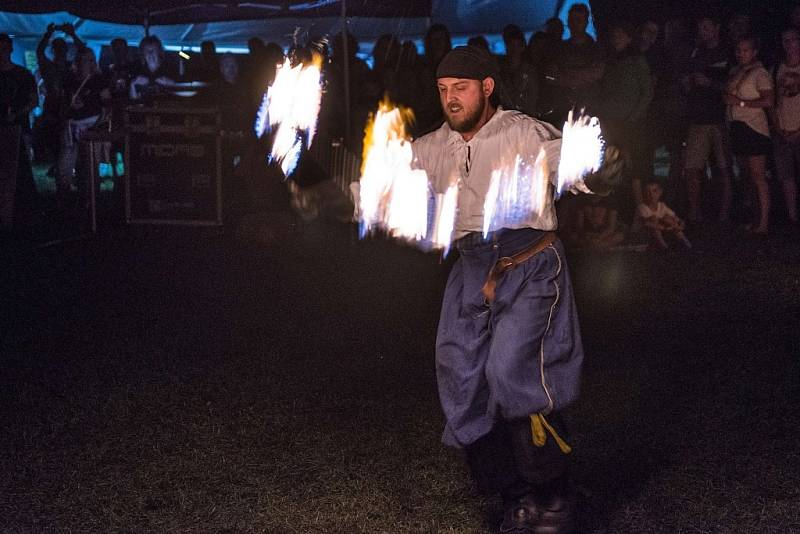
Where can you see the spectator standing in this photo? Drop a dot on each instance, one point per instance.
(739, 25)
(118, 76)
(794, 17)
(749, 94)
(479, 41)
(544, 45)
(437, 44)
(228, 93)
(383, 76)
(17, 100)
(520, 83)
(408, 91)
(54, 73)
(703, 80)
(625, 95)
(87, 92)
(333, 118)
(119, 71)
(647, 42)
(786, 119)
(575, 71)
(152, 76)
(668, 110)
(205, 67)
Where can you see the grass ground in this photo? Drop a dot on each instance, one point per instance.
(172, 380)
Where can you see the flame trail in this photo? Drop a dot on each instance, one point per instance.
(517, 192)
(582, 149)
(392, 195)
(289, 109)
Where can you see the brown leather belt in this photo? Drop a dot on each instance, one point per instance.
(507, 263)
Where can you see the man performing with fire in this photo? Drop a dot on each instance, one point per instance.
(508, 349)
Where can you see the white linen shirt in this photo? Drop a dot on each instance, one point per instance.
(448, 159)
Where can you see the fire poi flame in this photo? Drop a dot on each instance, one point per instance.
(289, 109)
(399, 199)
(394, 196)
(582, 149)
(516, 192)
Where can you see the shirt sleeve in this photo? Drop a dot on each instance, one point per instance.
(422, 159)
(534, 136)
(645, 83)
(763, 80)
(643, 211)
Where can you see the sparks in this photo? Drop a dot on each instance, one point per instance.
(582, 148)
(517, 192)
(289, 109)
(394, 196)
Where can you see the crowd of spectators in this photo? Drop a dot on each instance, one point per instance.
(705, 93)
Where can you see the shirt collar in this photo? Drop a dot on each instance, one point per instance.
(454, 138)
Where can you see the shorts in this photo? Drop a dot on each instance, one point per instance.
(745, 141)
(701, 141)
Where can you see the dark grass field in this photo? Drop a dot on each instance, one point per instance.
(175, 380)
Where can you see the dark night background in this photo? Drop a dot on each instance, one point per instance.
(277, 376)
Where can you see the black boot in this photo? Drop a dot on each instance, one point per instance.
(492, 463)
(550, 507)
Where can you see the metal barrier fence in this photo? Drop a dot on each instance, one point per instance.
(341, 164)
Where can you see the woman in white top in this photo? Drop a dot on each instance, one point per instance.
(786, 119)
(749, 94)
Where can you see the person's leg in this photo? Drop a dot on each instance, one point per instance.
(785, 155)
(493, 466)
(462, 347)
(756, 169)
(790, 188)
(698, 149)
(534, 369)
(658, 238)
(67, 154)
(720, 147)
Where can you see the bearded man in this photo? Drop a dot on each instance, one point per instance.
(508, 349)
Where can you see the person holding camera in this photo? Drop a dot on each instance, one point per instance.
(55, 74)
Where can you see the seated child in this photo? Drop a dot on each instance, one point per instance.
(597, 224)
(659, 221)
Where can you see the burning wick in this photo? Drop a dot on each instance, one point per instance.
(392, 195)
(289, 110)
(582, 149)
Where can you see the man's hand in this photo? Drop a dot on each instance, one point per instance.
(732, 100)
(609, 174)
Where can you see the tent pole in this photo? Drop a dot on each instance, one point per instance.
(346, 52)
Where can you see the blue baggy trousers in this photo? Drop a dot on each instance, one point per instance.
(518, 355)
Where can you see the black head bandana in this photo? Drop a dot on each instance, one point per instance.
(469, 62)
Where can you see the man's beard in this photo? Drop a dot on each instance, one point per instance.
(468, 123)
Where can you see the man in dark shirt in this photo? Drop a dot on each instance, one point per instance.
(17, 99)
(703, 80)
